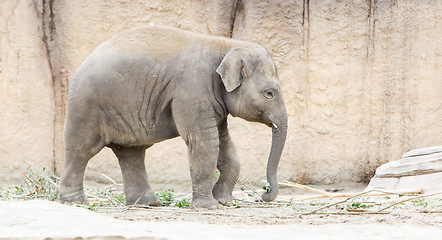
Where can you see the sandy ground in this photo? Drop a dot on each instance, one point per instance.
(38, 219)
(274, 215)
(249, 212)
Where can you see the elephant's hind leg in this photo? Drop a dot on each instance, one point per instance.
(77, 157)
(136, 185)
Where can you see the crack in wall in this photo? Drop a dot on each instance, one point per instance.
(306, 41)
(371, 26)
(235, 10)
(59, 79)
(369, 170)
(48, 29)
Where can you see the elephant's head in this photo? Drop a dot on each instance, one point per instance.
(253, 92)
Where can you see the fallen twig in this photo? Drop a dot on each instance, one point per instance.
(347, 213)
(260, 203)
(30, 193)
(334, 204)
(95, 197)
(297, 185)
(159, 209)
(367, 193)
(51, 182)
(250, 187)
(391, 201)
(257, 206)
(410, 199)
(26, 194)
(110, 179)
(29, 179)
(91, 189)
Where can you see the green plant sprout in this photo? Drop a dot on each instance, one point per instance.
(166, 197)
(184, 203)
(267, 188)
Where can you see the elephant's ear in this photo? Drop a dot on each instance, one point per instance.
(232, 68)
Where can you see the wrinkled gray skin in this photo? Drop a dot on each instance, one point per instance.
(150, 84)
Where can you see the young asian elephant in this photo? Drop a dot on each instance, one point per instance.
(150, 84)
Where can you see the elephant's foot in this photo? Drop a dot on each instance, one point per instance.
(72, 196)
(149, 199)
(223, 195)
(206, 202)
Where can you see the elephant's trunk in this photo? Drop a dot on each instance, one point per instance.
(279, 134)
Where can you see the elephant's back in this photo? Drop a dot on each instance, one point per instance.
(153, 41)
(156, 41)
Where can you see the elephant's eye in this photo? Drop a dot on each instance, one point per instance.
(269, 94)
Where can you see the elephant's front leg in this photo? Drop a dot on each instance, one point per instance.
(203, 154)
(200, 132)
(228, 165)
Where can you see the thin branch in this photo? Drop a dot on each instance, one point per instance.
(410, 199)
(367, 193)
(110, 179)
(250, 187)
(157, 209)
(343, 201)
(260, 203)
(348, 213)
(29, 179)
(297, 185)
(91, 189)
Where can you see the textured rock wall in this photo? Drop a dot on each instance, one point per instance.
(26, 91)
(362, 80)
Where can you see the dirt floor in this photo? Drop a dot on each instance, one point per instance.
(288, 210)
(296, 213)
(273, 215)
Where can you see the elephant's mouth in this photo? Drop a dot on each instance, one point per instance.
(272, 125)
(269, 120)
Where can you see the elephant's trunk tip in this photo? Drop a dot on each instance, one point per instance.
(271, 194)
